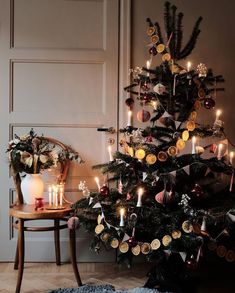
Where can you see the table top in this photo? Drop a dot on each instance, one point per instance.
(26, 211)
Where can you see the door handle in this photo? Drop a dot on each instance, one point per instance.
(107, 129)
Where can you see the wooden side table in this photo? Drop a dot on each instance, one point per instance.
(25, 213)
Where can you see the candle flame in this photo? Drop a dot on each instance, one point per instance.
(129, 113)
(122, 212)
(140, 191)
(189, 64)
(218, 113)
(109, 148)
(148, 64)
(97, 180)
(220, 146)
(231, 155)
(194, 139)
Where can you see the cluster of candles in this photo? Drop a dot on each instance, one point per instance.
(56, 193)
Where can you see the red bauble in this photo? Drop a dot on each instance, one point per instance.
(197, 192)
(129, 102)
(146, 98)
(145, 87)
(143, 116)
(104, 190)
(132, 242)
(209, 103)
(153, 51)
(191, 263)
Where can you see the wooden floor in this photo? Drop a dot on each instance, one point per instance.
(43, 277)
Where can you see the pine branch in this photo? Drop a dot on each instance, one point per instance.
(158, 30)
(179, 34)
(173, 32)
(167, 19)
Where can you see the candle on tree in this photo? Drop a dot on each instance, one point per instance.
(189, 64)
(140, 193)
(218, 113)
(110, 153)
(220, 147)
(194, 139)
(129, 118)
(231, 155)
(50, 194)
(97, 183)
(122, 212)
(148, 66)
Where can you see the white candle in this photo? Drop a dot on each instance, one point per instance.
(194, 145)
(218, 113)
(122, 212)
(189, 64)
(129, 118)
(154, 103)
(220, 151)
(56, 196)
(97, 183)
(148, 66)
(231, 155)
(110, 153)
(53, 197)
(140, 193)
(50, 194)
(61, 194)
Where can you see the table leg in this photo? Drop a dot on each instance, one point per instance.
(21, 254)
(16, 263)
(57, 241)
(72, 240)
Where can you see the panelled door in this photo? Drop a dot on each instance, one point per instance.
(59, 72)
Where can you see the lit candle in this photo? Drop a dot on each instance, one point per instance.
(218, 113)
(50, 194)
(189, 64)
(61, 194)
(140, 193)
(56, 196)
(97, 183)
(148, 66)
(110, 153)
(53, 197)
(231, 155)
(122, 212)
(129, 118)
(220, 151)
(154, 103)
(194, 145)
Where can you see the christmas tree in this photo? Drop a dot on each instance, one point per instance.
(171, 200)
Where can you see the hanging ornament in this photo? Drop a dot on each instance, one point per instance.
(166, 57)
(114, 243)
(129, 102)
(128, 196)
(221, 251)
(159, 197)
(172, 151)
(99, 228)
(146, 98)
(140, 154)
(151, 159)
(132, 242)
(123, 247)
(162, 156)
(197, 105)
(143, 115)
(154, 39)
(213, 148)
(187, 227)
(185, 135)
(150, 30)
(176, 234)
(201, 93)
(166, 240)
(191, 263)
(190, 125)
(145, 248)
(212, 245)
(180, 144)
(209, 103)
(153, 51)
(202, 70)
(104, 237)
(155, 244)
(104, 190)
(230, 256)
(193, 115)
(196, 192)
(145, 87)
(159, 88)
(160, 48)
(135, 250)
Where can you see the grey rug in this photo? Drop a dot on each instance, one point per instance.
(103, 289)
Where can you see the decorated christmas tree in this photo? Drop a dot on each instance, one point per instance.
(174, 177)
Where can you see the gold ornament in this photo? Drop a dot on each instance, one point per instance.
(160, 48)
(104, 237)
(193, 115)
(114, 243)
(123, 247)
(99, 228)
(180, 144)
(230, 256)
(172, 151)
(155, 244)
(140, 154)
(176, 234)
(136, 250)
(151, 159)
(187, 227)
(221, 251)
(197, 105)
(150, 30)
(145, 248)
(154, 39)
(162, 156)
(212, 245)
(201, 93)
(131, 151)
(166, 240)
(166, 57)
(190, 125)
(185, 135)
